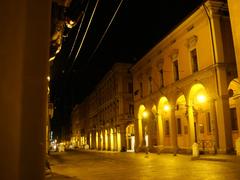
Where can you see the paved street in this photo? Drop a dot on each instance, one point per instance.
(91, 165)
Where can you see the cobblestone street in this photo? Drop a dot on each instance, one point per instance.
(93, 165)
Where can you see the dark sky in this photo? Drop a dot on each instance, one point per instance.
(137, 27)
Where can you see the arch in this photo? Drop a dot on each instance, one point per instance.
(130, 133)
(163, 103)
(182, 124)
(234, 105)
(181, 101)
(163, 122)
(198, 106)
(154, 126)
(140, 130)
(197, 91)
(234, 88)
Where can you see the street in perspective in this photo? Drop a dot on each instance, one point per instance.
(91, 165)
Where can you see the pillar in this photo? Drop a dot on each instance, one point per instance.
(224, 125)
(173, 129)
(238, 114)
(123, 138)
(109, 139)
(234, 12)
(103, 139)
(160, 131)
(136, 135)
(100, 144)
(213, 120)
(115, 139)
(140, 133)
(24, 54)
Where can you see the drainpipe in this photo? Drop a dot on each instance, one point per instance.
(213, 48)
(214, 125)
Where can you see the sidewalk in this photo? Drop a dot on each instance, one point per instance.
(219, 157)
(66, 165)
(210, 157)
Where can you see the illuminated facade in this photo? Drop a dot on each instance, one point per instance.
(78, 117)
(109, 114)
(185, 88)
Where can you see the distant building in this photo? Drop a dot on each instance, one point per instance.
(109, 112)
(186, 88)
(79, 121)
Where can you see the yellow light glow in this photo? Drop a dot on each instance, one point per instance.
(166, 107)
(70, 23)
(145, 114)
(48, 78)
(201, 98)
(52, 58)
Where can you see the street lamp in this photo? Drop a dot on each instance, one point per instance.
(201, 98)
(145, 114)
(166, 107)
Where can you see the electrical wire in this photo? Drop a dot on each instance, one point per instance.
(105, 32)
(79, 28)
(89, 23)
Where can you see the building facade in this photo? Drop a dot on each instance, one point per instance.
(79, 124)
(107, 122)
(186, 88)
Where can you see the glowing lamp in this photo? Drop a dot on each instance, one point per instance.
(201, 98)
(166, 107)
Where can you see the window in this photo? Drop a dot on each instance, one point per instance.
(161, 78)
(167, 128)
(233, 115)
(179, 127)
(194, 60)
(175, 70)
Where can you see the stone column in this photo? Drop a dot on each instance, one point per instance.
(173, 130)
(140, 133)
(160, 131)
(115, 139)
(151, 131)
(224, 125)
(234, 11)
(123, 138)
(25, 31)
(109, 140)
(103, 139)
(94, 139)
(136, 135)
(99, 141)
(192, 125)
(238, 114)
(213, 121)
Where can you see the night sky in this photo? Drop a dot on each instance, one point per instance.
(136, 28)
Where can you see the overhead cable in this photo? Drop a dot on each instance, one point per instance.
(79, 28)
(105, 32)
(89, 23)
